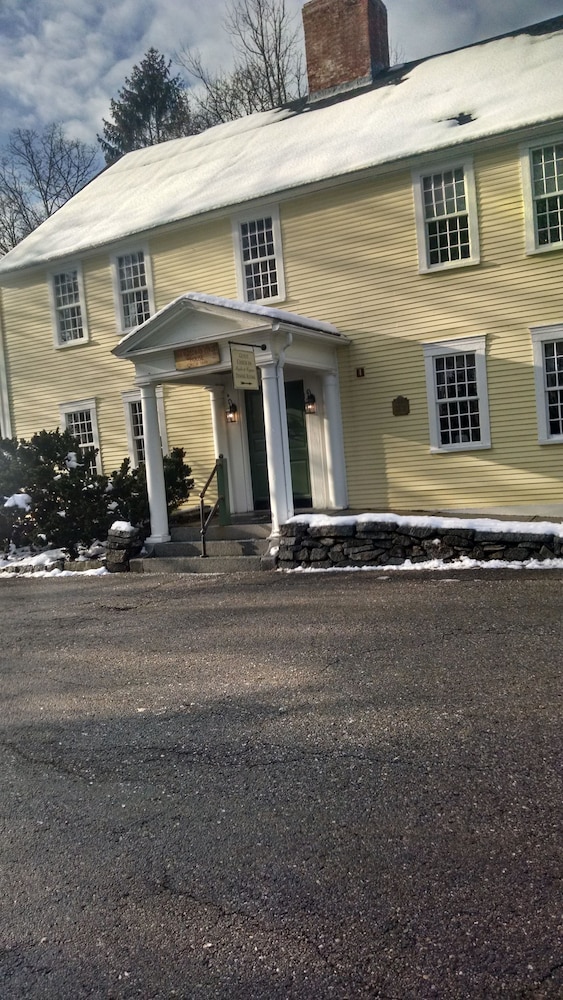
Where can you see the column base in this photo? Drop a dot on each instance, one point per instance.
(154, 539)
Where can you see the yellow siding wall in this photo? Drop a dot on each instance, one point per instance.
(350, 258)
(353, 257)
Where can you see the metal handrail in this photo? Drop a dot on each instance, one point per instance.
(221, 504)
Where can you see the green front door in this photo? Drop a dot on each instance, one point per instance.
(298, 451)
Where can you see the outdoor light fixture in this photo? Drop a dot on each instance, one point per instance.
(231, 411)
(310, 402)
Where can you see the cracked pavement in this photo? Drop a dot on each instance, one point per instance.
(281, 786)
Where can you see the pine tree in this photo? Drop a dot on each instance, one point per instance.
(151, 107)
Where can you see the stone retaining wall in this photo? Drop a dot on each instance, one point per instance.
(384, 543)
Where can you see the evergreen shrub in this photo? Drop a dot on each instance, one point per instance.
(69, 504)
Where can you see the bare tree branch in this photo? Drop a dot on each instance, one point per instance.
(268, 66)
(39, 172)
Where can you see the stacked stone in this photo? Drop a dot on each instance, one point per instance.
(381, 543)
(123, 544)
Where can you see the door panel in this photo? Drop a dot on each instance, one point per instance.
(257, 449)
(298, 451)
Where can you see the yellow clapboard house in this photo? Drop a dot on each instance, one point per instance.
(390, 251)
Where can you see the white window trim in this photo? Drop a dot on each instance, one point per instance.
(260, 213)
(531, 235)
(62, 269)
(133, 396)
(472, 211)
(540, 334)
(461, 345)
(84, 404)
(118, 301)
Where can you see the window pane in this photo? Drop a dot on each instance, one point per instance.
(80, 425)
(547, 189)
(137, 430)
(447, 220)
(67, 306)
(258, 254)
(553, 382)
(134, 290)
(457, 399)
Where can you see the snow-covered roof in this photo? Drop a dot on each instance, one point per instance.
(255, 309)
(241, 313)
(484, 90)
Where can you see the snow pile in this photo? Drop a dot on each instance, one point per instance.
(43, 564)
(124, 526)
(20, 500)
(433, 521)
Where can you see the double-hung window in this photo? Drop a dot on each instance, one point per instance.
(446, 215)
(67, 296)
(134, 424)
(456, 385)
(80, 418)
(259, 257)
(547, 343)
(543, 191)
(133, 288)
(137, 433)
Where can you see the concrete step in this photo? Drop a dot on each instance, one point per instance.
(230, 532)
(195, 564)
(214, 547)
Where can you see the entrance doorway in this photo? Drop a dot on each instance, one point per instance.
(298, 450)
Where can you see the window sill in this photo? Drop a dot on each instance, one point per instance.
(455, 448)
(71, 343)
(451, 266)
(272, 300)
(533, 250)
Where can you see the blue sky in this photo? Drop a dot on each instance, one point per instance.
(64, 59)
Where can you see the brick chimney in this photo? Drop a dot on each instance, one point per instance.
(346, 44)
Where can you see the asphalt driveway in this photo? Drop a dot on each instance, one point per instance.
(281, 786)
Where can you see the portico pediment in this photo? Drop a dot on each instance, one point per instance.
(195, 318)
(189, 339)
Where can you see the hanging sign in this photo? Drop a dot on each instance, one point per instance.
(243, 363)
(197, 356)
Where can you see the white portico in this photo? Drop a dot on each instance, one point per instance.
(278, 455)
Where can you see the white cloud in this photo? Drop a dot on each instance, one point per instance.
(64, 59)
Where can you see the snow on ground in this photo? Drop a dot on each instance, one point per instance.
(436, 564)
(42, 564)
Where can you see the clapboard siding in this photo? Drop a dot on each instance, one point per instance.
(350, 257)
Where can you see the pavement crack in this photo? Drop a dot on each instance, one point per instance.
(550, 974)
(38, 761)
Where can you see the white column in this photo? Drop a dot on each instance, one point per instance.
(277, 444)
(153, 467)
(218, 419)
(334, 442)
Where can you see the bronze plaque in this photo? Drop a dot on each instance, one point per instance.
(401, 406)
(197, 356)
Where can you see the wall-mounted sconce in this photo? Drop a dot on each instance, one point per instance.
(310, 402)
(231, 411)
